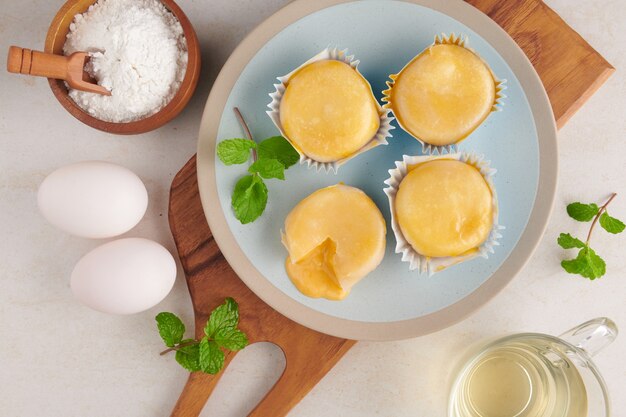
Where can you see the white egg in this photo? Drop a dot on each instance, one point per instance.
(93, 199)
(124, 276)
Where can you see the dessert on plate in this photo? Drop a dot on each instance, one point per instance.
(444, 209)
(327, 110)
(443, 94)
(335, 237)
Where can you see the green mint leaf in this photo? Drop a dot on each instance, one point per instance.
(597, 266)
(189, 356)
(234, 151)
(582, 212)
(268, 168)
(231, 339)
(573, 266)
(611, 224)
(249, 198)
(225, 316)
(567, 241)
(171, 328)
(587, 264)
(211, 357)
(277, 147)
(576, 265)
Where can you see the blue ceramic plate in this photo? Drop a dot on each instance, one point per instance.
(391, 302)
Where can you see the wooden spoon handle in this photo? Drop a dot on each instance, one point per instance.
(26, 61)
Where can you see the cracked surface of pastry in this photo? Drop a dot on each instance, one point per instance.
(444, 208)
(443, 94)
(328, 111)
(335, 237)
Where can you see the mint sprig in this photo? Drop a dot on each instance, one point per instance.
(271, 157)
(207, 354)
(588, 263)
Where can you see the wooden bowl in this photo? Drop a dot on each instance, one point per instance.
(55, 40)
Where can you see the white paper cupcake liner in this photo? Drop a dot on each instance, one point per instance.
(498, 103)
(430, 265)
(380, 138)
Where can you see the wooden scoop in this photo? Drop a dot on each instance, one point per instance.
(68, 68)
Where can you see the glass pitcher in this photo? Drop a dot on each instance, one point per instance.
(536, 375)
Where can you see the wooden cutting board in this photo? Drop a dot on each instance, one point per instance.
(571, 71)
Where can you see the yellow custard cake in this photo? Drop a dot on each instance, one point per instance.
(443, 94)
(444, 208)
(335, 237)
(328, 111)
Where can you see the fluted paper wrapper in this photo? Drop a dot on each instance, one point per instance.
(498, 102)
(380, 138)
(430, 265)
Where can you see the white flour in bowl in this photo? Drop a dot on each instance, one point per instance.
(139, 53)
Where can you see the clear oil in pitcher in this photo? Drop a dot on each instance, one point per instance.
(525, 376)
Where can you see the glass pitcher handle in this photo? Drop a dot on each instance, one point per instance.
(592, 336)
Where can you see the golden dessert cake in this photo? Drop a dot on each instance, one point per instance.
(335, 237)
(444, 208)
(443, 94)
(328, 111)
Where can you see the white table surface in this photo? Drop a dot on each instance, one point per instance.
(59, 358)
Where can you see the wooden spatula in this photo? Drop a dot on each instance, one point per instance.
(68, 68)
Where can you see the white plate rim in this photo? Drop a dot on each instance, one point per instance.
(403, 329)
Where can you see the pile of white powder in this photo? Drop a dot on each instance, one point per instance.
(139, 53)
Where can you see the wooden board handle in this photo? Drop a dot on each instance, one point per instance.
(28, 62)
(197, 391)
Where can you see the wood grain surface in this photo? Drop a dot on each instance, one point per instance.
(571, 71)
